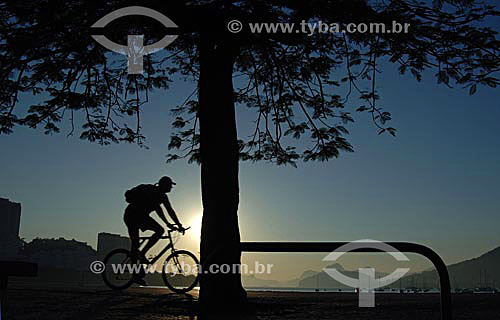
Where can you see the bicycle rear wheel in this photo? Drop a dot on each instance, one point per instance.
(181, 271)
(118, 273)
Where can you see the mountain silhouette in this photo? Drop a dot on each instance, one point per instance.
(323, 280)
(479, 272)
(253, 281)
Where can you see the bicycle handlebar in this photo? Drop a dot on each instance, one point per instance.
(165, 235)
(181, 231)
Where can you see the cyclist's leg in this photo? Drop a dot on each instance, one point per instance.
(150, 224)
(133, 231)
(130, 219)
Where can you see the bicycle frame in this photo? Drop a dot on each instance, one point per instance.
(170, 245)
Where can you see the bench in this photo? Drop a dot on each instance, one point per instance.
(14, 269)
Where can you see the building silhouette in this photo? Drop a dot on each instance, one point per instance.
(10, 218)
(106, 242)
(61, 253)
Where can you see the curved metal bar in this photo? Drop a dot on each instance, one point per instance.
(409, 247)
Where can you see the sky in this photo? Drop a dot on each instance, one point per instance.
(436, 183)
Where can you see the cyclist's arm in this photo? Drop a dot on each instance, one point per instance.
(159, 212)
(171, 212)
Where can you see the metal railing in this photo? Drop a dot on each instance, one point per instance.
(408, 247)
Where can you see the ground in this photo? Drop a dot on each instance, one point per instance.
(23, 303)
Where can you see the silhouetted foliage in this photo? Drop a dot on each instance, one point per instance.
(299, 85)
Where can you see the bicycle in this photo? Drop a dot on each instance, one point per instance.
(180, 271)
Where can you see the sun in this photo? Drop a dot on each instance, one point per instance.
(195, 224)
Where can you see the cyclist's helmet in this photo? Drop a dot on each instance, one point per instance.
(166, 182)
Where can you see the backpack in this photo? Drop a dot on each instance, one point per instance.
(138, 194)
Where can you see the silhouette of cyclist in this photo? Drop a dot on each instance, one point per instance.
(143, 200)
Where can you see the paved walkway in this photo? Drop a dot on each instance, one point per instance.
(152, 304)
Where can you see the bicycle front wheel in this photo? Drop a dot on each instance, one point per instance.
(181, 271)
(119, 272)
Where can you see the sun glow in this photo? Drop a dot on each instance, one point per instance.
(195, 231)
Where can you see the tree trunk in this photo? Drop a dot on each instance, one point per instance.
(220, 236)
